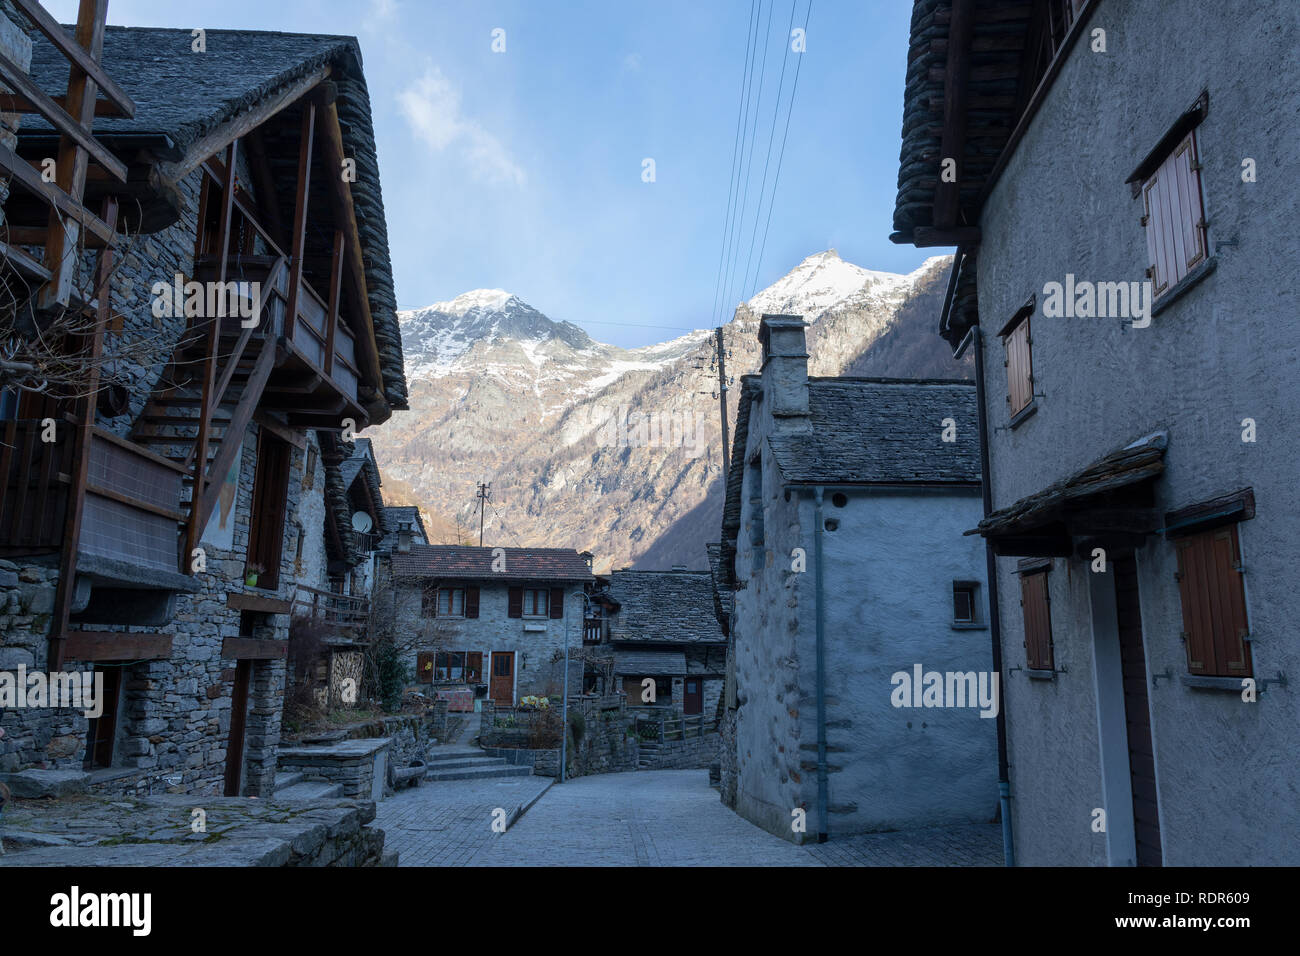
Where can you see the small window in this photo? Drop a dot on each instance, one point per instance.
(1216, 634)
(963, 602)
(535, 602)
(451, 602)
(1036, 604)
(1174, 218)
(840, 499)
(1020, 366)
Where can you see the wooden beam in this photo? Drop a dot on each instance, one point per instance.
(233, 441)
(346, 218)
(953, 140)
(58, 117)
(241, 125)
(78, 55)
(117, 646)
(1037, 546)
(70, 166)
(299, 238)
(265, 182)
(66, 587)
(14, 103)
(281, 430)
(263, 604)
(253, 649)
(24, 263)
(30, 179)
(332, 318)
(37, 235)
(245, 333)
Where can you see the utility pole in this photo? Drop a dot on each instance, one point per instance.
(484, 496)
(722, 398)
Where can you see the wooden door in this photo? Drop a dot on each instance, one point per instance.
(103, 729)
(238, 718)
(502, 688)
(693, 694)
(1137, 714)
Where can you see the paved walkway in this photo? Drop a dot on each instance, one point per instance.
(646, 818)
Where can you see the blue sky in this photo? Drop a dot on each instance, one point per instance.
(522, 169)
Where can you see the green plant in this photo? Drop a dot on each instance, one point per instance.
(392, 676)
(577, 726)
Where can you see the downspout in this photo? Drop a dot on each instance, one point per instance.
(823, 829)
(976, 338)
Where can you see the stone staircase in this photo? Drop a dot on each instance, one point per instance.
(648, 755)
(467, 763)
(296, 786)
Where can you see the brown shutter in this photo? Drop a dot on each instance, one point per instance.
(1020, 389)
(474, 664)
(1214, 604)
(423, 667)
(1038, 621)
(515, 608)
(471, 602)
(556, 603)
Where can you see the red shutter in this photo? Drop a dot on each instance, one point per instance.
(556, 603)
(424, 667)
(1214, 604)
(515, 608)
(471, 602)
(1020, 388)
(1038, 621)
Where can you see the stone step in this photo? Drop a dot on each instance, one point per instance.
(311, 790)
(456, 753)
(482, 760)
(480, 772)
(287, 778)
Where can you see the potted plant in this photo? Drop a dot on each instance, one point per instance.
(251, 572)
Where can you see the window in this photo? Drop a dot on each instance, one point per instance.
(963, 603)
(451, 602)
(535, 602)
(1173, 217)
(102, 736)
(1215, 631)
(1036, 604)
(1019, 363)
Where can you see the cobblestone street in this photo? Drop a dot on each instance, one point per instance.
(648, 818)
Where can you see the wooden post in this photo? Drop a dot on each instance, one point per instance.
(66, 587)
(70, 167)
(300, 214)
(194, 529)
(336, 284)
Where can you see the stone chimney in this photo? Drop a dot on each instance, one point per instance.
(588, 557)
(785, 369)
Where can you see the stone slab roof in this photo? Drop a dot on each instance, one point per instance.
(394, 517)
(652, 663)
(882, 431)
(453, 562)
(664, 607)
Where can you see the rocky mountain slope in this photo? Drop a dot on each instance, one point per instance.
(618, 451)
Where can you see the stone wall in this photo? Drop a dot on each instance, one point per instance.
(689, 754)
(602, 746)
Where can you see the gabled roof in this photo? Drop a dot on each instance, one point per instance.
(180, 96)
(397, 515)
(455, 562)
(351, 483)
(882, 431)
(663, 607)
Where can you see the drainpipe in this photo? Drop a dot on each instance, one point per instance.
(823, 830)
(976, 338)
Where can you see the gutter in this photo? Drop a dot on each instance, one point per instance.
(976, 337)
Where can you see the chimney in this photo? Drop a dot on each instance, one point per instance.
(588, 557)
(404, 535)
(785, 369)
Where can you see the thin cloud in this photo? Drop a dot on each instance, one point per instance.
(431, 106)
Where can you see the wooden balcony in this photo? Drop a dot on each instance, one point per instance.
(344, 610)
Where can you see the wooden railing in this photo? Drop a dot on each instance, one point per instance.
(676, 727)
(345, 610)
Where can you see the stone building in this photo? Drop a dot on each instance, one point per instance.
(249, 303)
(842, 541)
(660, 625)
(492, 623)
(1124, 190)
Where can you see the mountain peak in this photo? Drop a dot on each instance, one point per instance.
(824, 281)
(493, 300)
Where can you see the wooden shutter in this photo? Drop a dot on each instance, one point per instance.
(471, 602)
(474, 666)
(1174, 217)
(515, 607)
(424, 667)
(556, 603)
(1020, 378)
(1215, 629)
(1038, 621)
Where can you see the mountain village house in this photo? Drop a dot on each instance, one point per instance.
(161, 538)
(842, 539)
(660, 626)
(487, 623)
(1117, 283)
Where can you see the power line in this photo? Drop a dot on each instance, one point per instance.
(781, 155)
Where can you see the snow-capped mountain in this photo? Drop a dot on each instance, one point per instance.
(500, 392)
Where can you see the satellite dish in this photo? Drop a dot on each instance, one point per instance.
(361, 522)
